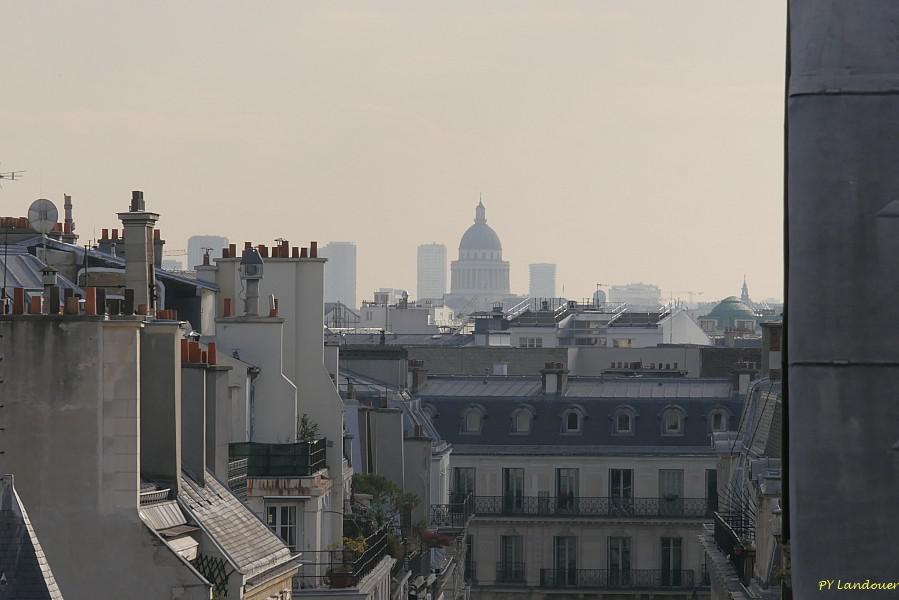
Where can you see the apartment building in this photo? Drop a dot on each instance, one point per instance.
(744, 543)
(577, 486)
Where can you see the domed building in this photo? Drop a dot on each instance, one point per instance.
(480, 276)
(731, 314)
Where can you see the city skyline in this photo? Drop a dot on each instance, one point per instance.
(321, 122)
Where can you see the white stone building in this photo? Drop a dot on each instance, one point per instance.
(583, 486)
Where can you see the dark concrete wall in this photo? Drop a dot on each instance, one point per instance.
(842, 345)
(160, 403)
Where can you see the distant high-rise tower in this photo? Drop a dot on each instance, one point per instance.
(543, 280)
(340, 272)
(431, 272)
(196, 243)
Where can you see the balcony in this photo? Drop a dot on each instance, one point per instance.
(342, 568)
(510, 573)
(280, 460)
(237, 478)
(454, 515)
(733, 535)
(570, 506)
(616, 580)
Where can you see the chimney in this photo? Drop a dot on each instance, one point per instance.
(418, 375)
(218, 405)
(68, 211)
(160, 405)
(193, 420)
(251, 267)
(555, 378)
(140, 254)
(158, 244)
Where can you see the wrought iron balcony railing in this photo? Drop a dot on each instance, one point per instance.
(342, 568)
(609, 580)
(454, 515)
(571, 506)
(301, 459)
(733, 541)
(510, 572)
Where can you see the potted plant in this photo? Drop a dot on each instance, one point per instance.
(340, 576)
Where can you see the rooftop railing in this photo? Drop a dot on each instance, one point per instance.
(616, 579)
(301, 459)
(601, 506)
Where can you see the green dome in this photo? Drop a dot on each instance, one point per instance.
(730, 310)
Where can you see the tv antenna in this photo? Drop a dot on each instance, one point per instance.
(11, 175)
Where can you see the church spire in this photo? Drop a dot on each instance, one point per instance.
(480, 213)
(744, 295)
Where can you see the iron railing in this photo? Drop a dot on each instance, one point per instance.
(572, 506)
(301, 459)
(342, 568)
(237, 478)
(734, 545)
(153, 496)
(616, 579)
(510, 572)
(454, 515)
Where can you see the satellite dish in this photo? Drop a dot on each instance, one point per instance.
(42, 215)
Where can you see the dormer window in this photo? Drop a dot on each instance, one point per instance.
(672, 422)
(718, 420)
(521, 420)
(572, 420)
(472, 420)
(623, 421)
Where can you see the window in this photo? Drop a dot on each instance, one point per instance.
(282, 520)
(511, 560)
(521, 421)
(671, 492)
(513, 490)
(530, 342)
(621, 491)
(566, 489)
(624, 422)
(471, 421)
(571, 421)
(672, 422)
(565, 560)
(463, 482)
(619, 561)
(672, 552)
(718, 420)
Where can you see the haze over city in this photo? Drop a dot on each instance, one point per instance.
(622, 141)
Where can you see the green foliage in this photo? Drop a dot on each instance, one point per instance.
(388, 500)
(307, 431)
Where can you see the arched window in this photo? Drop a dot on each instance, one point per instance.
(521, 420)
(672, 421)
(623, 421)
(718, 420)
(572, 421)
(472, 420)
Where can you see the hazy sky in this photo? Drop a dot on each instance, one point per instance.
(623, 140)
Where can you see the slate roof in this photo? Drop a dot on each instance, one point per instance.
(23, 270)
(24, 571)
(101, 258)
(238, 532)
(597, 399)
